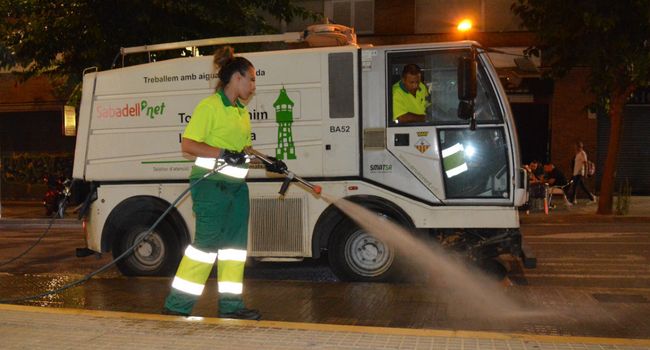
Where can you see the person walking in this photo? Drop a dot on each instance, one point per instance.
(579, 171)
(219, 132)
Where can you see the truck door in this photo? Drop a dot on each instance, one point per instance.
(456, 164)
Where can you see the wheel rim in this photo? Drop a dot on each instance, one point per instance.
(366, 255)
(150, 253)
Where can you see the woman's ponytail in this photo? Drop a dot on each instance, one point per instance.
(226, 64)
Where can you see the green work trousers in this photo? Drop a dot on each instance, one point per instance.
(221, 207)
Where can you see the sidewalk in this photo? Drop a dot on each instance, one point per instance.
(585, 212)
(26, 210)
(26, 327)
(31, 214)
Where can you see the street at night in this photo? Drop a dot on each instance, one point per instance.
(325, 174)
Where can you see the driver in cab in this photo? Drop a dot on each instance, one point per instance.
(410, 96)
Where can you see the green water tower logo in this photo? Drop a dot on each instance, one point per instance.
(284, 116)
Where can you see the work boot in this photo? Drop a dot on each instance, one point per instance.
(242, 314)
(166, 311)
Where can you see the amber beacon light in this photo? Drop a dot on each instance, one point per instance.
(464, 26)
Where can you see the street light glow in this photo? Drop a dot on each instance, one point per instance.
(465, 25)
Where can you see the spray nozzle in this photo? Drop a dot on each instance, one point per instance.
(289, 175)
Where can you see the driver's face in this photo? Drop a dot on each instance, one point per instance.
(411, 82)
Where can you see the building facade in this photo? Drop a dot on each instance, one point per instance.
(551, 115)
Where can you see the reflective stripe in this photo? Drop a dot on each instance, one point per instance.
(200, 256)
(229, 170)
(230, 270)
(187, 286)
(453, 160)
(451, 150)
(231, 287)
(195, 266)
(457, 170)
(232, 254)
(235, 172)
(207, 163)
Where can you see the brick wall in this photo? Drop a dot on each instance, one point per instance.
(34, 94)
(569, 121)
(394, 17)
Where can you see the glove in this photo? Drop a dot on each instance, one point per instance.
(234, 158)
(277, 166)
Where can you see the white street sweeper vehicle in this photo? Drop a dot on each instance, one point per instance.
(327, 112)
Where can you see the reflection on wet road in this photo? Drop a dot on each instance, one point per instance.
(553, 311)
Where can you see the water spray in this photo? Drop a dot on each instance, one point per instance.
(289, 175)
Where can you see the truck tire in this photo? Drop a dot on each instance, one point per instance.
(356, 255)
(157, 255)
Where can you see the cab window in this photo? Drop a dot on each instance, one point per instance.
(474, 162)
(436, 95)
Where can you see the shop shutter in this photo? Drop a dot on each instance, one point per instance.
(634, 155)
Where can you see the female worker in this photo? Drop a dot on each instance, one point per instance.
(219, 132)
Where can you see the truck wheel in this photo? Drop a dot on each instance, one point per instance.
(356, 255)
(157, 255)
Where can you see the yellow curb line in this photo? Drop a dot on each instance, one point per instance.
(334, 327)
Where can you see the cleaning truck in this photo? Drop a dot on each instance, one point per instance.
(324, 106)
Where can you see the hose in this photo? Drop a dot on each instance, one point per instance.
(47, 230)
(59, 212)
(121, 256)
(289, 175)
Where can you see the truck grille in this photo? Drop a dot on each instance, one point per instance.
(277, 226)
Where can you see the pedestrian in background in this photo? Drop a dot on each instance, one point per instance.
(553, 176)
(579, 171)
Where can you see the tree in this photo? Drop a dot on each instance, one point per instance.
(62, 38)
(612, 38)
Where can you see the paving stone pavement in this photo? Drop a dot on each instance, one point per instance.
(25, 327)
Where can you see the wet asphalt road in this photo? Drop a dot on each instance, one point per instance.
(592, 279)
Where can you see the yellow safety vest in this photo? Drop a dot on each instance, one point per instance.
(404, 102)
(216, 122)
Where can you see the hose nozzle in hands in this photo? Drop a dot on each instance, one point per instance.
(275, 165)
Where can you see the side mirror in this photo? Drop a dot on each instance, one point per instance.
(467, 78)
(467, 89)
(465, 109)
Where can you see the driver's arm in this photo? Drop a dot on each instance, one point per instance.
(411, 118)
